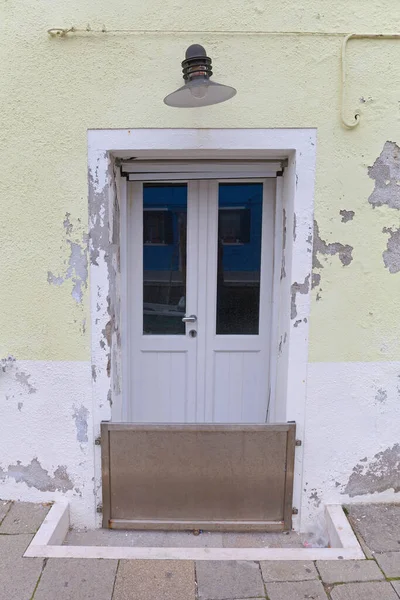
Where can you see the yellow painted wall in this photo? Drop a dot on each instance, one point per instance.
(53, 90)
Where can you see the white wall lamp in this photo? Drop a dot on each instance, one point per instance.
(198, 89)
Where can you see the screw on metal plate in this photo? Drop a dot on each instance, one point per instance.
(295, 511)
(298, 443)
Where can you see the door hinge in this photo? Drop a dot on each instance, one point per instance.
(295, 511)
(99, 508)
(298, 443)
(97, 441)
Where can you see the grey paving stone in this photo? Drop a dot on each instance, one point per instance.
(396, 585)
(18, 576)
(4, 508)
(288, 570)
(389, 562)
(72, 578)
(298, 590)
(363, 591)
(155, 580)
(344, 571)
(379, 525)
(222, 580)
(24, 517)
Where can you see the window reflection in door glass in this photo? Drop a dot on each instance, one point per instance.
(164, 258)
(239, 258)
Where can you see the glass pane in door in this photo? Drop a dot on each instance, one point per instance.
(164, 258)
(239, 258)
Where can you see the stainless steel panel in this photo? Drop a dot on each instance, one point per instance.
(225, 477)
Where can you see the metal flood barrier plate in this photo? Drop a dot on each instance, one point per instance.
(200, 476)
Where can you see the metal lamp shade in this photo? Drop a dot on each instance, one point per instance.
(198, 89)
(184, 98)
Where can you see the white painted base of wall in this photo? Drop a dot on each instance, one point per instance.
(46, 435)
(47, 543)
(351, 446)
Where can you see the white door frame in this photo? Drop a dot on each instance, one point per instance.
(106, 196)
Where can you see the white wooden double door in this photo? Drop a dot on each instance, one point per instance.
(200, 270)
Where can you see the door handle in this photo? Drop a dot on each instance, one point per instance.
(191, 319)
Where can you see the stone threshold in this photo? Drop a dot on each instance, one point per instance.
(48, 543)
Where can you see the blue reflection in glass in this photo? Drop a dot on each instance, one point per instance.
(239, 258)
(164, 258)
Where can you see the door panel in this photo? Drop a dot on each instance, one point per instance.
(238, 378)
(164, 396)
(202, 248)
(163, 355)
(239, 302)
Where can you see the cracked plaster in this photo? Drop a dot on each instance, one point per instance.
(380, 474)
(77, 266)
(34, 475)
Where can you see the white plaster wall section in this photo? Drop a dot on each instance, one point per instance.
(100, 185)
(272, 143)
(298, 267)
(115, 289)
(352, 450)
(53, 456)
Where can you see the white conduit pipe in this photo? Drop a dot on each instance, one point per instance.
(356, 36)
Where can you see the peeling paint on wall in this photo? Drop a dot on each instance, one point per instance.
(381, 474)
(77, 266)
(34, 475)
(8, 364)
(53, 280)
(104, 238)
(298, 288)
(391, 256)
(386, 173)
(80, 416)
(381, 396)
(316, 280)
(344, 251)
(67, 224)
(98, 213)
(314, 497)
(297, 323)
(23, 379)
(347, 215)
(320, 247)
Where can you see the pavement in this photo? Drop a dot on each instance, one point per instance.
(378, 578)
